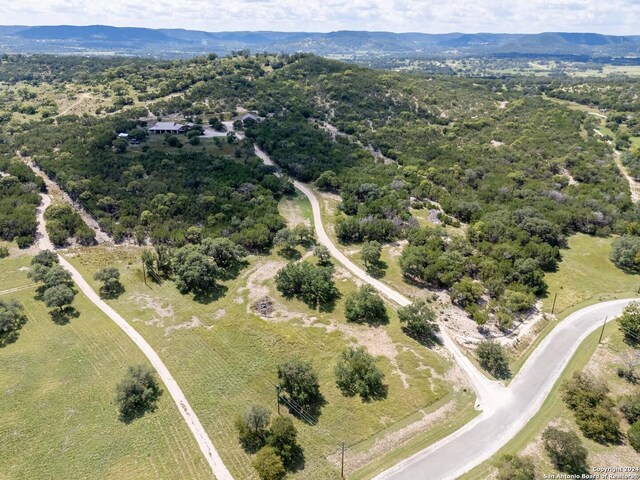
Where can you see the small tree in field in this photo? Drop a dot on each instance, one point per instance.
(137, 393)
(110, 278)
(269, 465)
(58, 296)
(370, 253)
(565, 450)
(12, 318)
(365, 306)
(323, 255)
(253, 427)
(357, 374)
(493, 359)
(299, 381)
(514, 467)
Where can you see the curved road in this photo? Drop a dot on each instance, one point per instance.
(204, 442)
(505, 410)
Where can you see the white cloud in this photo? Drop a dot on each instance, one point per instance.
(431, 16)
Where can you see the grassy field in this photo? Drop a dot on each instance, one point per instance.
(586, 275)
(57, 388)
(225, 358)
(600, 361)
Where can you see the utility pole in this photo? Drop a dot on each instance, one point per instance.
(553, 308)
(144, 273)
(278, 398)
(342, 462)
(602, 331)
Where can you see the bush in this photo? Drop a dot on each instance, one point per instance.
(493, 359)
(565, 450)
(630, 407)
(592, 407)
(111, 286)
(629, 323)
(300, 382)
(634, 436)
(25, 242)
(624, 253)
(365, 306)
(514, 467)
(12, 318)
(137, 393)
(269, 465)
(356, 373)
(4, 252)
(253, 427)
(310, 283)
(283, 439)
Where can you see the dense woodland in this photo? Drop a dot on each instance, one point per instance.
(516, 172)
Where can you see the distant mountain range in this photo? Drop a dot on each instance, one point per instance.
(100, 39)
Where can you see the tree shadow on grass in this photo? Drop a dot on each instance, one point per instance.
(64, 315)
(379, 270)
(112, 292)
(426, 340)
(297, 461)
(215, 293)
(139, 411)
(232, 272)
(309, 414)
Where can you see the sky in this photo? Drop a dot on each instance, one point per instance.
(617, 17)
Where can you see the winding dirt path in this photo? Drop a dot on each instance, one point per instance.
(199, 433)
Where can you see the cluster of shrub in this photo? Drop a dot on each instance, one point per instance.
(19, 198)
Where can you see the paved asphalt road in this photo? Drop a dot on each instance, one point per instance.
(485, 435)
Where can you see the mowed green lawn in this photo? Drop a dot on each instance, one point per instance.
(586, 276)
(58, 417)
(225, 359)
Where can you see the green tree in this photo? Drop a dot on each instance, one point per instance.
(466, 292)
(365, 306)
(493, 358)
(287, 240)
(46, 258)
(283, 439)
(195, 272)
(269, 465)
(323, 255)
(514, 467)
(624, 251)
(110, 278)
(137, 393)
(310, 283)
(227, 254)
(593, 408)
(420, 320)
(298, 379)
(629, 323)
(328, 181)
(565, 450)
(58, 296)
(357, 374)
(12, 318)
(253, 426)
(370, 253)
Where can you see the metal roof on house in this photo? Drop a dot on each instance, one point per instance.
(167, 126)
